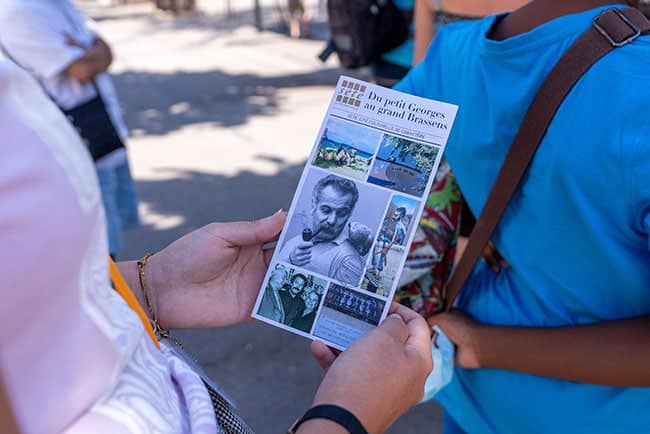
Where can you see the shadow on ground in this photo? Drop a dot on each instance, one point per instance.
(159, 103)
(191, 199)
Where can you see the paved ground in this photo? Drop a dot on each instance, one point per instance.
(223, 118)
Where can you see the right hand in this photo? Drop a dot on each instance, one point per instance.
(301, 254)
(382, 374)
(493, 258)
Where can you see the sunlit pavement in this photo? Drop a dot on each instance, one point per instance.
(223, 118)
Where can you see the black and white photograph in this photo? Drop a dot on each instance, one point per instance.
(292, 298)
(333, 226)
(391, 245)
(347, 314)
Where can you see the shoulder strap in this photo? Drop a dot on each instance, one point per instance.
(611, 29)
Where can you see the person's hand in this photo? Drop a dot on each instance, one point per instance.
(493, 258)
(301, 254)
(211, 277)
(382, 374)
(463, 332)
(490, 254)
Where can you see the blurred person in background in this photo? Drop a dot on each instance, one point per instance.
(176, 6)
(298, 19)
(56, 43)
(429, 15)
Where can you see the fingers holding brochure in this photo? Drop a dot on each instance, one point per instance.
(362, 378)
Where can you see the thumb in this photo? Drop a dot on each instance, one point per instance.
(394, 325)
(253, 232)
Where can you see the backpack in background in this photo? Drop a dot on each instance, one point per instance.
(364, 29)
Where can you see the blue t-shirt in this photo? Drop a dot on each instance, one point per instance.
(577, 231)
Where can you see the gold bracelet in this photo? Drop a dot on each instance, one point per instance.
(142, 263)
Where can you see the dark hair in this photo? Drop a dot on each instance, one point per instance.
(401, 210)
(297, 275)
(343, 185)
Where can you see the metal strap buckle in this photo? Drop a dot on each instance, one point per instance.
(636, 31)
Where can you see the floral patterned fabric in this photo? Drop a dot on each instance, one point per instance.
(431, 255)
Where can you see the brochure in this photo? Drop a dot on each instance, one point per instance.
(354, 214)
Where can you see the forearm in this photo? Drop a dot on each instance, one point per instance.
(321, 426)
(424, 30)
(95, 61)
(613, 353)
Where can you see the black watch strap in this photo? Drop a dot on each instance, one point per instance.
(334, 413)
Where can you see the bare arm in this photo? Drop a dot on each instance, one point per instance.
(424, 30)
(321, 426)
(611, 353)
(95, 60)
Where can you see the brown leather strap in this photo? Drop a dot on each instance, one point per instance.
(611, 29)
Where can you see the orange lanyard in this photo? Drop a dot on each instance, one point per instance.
(123, 289)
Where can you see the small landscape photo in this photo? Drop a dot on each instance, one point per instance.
(347, 314)
(346, 148)
(403, 165)
(292, 297)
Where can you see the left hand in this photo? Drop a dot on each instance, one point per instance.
(211, 277)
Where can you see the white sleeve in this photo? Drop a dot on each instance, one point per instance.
(36, 40)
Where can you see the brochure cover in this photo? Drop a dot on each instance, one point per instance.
(339, 257)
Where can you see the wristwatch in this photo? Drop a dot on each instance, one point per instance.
(334, 413)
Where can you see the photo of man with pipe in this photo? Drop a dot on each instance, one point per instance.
(333, 227)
